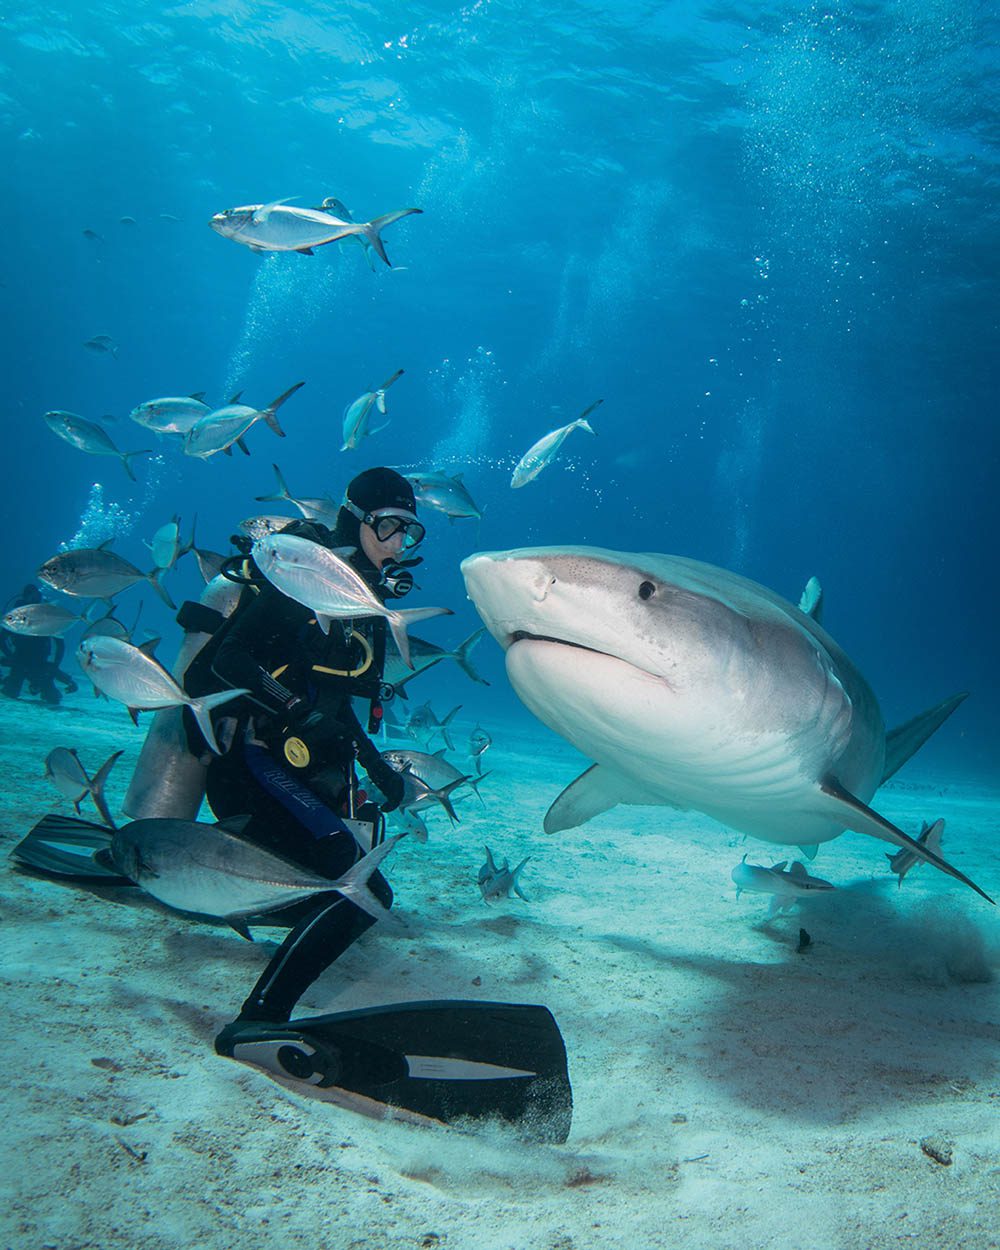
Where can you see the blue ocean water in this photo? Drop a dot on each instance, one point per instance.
(765, 235)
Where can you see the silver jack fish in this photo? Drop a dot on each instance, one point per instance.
(226, 426)
(40, 620)
(129, 676)
(88, 437)
(321, 580)
(97, 573)
(64, 769)
(357, 416)
(541, 454)
(434, 771)
(445, 494)
(424, 655)
(209, 870)
(278, 227)
(324, 509)
(174, 414)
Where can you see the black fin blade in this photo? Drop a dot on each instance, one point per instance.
(61, 846)
(445, 1061)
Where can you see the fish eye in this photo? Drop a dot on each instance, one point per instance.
(646, 590)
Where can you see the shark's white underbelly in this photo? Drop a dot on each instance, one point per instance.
(726, 757)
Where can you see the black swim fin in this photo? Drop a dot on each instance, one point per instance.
(440, 1061)
(61, 846)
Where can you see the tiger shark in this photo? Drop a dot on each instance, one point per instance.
(695, 688)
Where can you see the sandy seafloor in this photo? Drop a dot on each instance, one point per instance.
(729, 1091)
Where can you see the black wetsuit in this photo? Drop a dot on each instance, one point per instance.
(34, 661)
(301, 683)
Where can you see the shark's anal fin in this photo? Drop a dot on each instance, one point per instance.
(853, 814)
(595, 791)
(905, 740)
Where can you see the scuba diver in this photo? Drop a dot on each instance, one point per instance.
(288, 784)
(296, 740)
(32, 660)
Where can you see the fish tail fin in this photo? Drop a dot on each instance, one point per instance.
(281, 495)
(154, 580)
(399, 622)
(270, 412)
(128, 457)
(372, 230)
(462, 656)
(474, 784)
(443, 727)
(515, 884)
(443, 796)
(97, 788)
(202, 709)
(385, 385)
(354, 883)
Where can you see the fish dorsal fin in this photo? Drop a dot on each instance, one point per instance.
(148, 648)
(235, 399)
(779, 867)
(439, 755)
(106, 545)
(798, 870)
(263, 211)
(197, 395)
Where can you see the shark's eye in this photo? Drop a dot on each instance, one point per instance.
(647, 590)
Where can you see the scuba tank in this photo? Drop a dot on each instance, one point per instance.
(168, 780)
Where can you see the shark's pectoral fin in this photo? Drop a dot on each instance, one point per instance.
(595, 791)
(810, 852)
(906, 740)
(849, 811)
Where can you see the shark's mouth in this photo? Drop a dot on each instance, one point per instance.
(522, 635)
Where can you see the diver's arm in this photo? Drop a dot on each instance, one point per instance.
(385, 777)
(247, 654)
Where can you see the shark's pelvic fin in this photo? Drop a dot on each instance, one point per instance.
(905, 740)
(854, 814)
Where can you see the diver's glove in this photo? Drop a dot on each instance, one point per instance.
(393, 789)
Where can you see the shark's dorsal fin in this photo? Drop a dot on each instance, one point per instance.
(811, 602)
(905, 740)
(779, 867)
(798, 870)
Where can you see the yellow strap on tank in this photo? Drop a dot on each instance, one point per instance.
(363, 667)
(278, 671)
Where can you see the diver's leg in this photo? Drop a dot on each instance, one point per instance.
(13, 682)
(308, 950)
